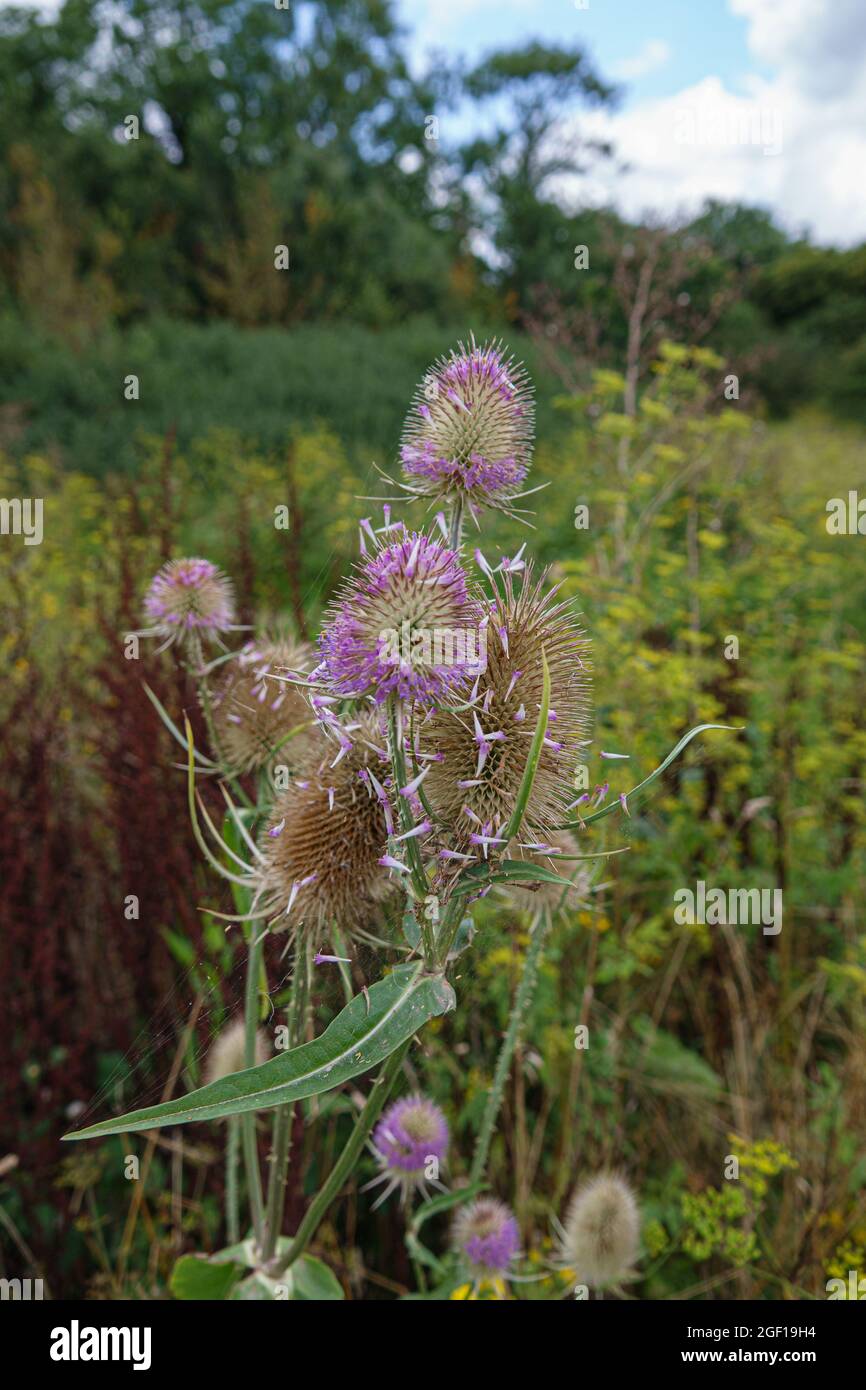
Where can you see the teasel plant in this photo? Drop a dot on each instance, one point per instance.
(432, 742)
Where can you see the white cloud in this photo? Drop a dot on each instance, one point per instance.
(822, 41)
(794, 141)
(654, 54)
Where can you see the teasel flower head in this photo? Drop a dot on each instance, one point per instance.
(486, 1237)
(470, 429)
(327, 833)
(189, 598)
(410, 1143)
(257, 714)
(406, 623)
(482, 753)
(228, 1053)
(601, 1232)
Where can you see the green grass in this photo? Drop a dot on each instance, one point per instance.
(265, 383)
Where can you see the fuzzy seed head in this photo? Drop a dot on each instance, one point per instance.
(189, 596)
(485, 751)
(228, 1052)
(405, 623)
(485, 1233)
(254, 713)
(602, 1229)
(470, 427)
(326, 835)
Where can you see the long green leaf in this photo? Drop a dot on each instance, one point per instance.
(647, 781)
(368, 1030)
(506, 871)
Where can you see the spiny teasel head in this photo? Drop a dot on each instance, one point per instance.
(405, 623)
(410, 1143)
(327, 833)
(469, 430)
(482, 752)
(486, 1237)
(257, 715)
(558, 854)
(602, 1230)
(187, 598)
(228, 1053)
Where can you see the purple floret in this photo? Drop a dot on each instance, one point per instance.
(479, 474)
(409, 1134)
(470, 430)
(496, 1250)
(486, 1233)
(381, 635)
(189, 595)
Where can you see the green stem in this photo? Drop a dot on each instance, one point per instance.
(279, 1161)
(516, 1021)
(456, 529)
(195, 669)
(448, 929)
(248, 1121)
(379, 1093)
(233, 1138)
(283, 1117)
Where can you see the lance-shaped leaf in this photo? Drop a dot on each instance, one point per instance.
(367, 1031)
(506, 871)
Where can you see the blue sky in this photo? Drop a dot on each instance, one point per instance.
(759, 100)
(696, 33)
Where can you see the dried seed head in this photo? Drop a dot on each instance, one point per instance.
(485, 1233)
(254, 713)
(470, 428)
(602, 1228)
(188, 597)
(405, 623)
(326, 835)
(227, 1054)
(484, 751)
